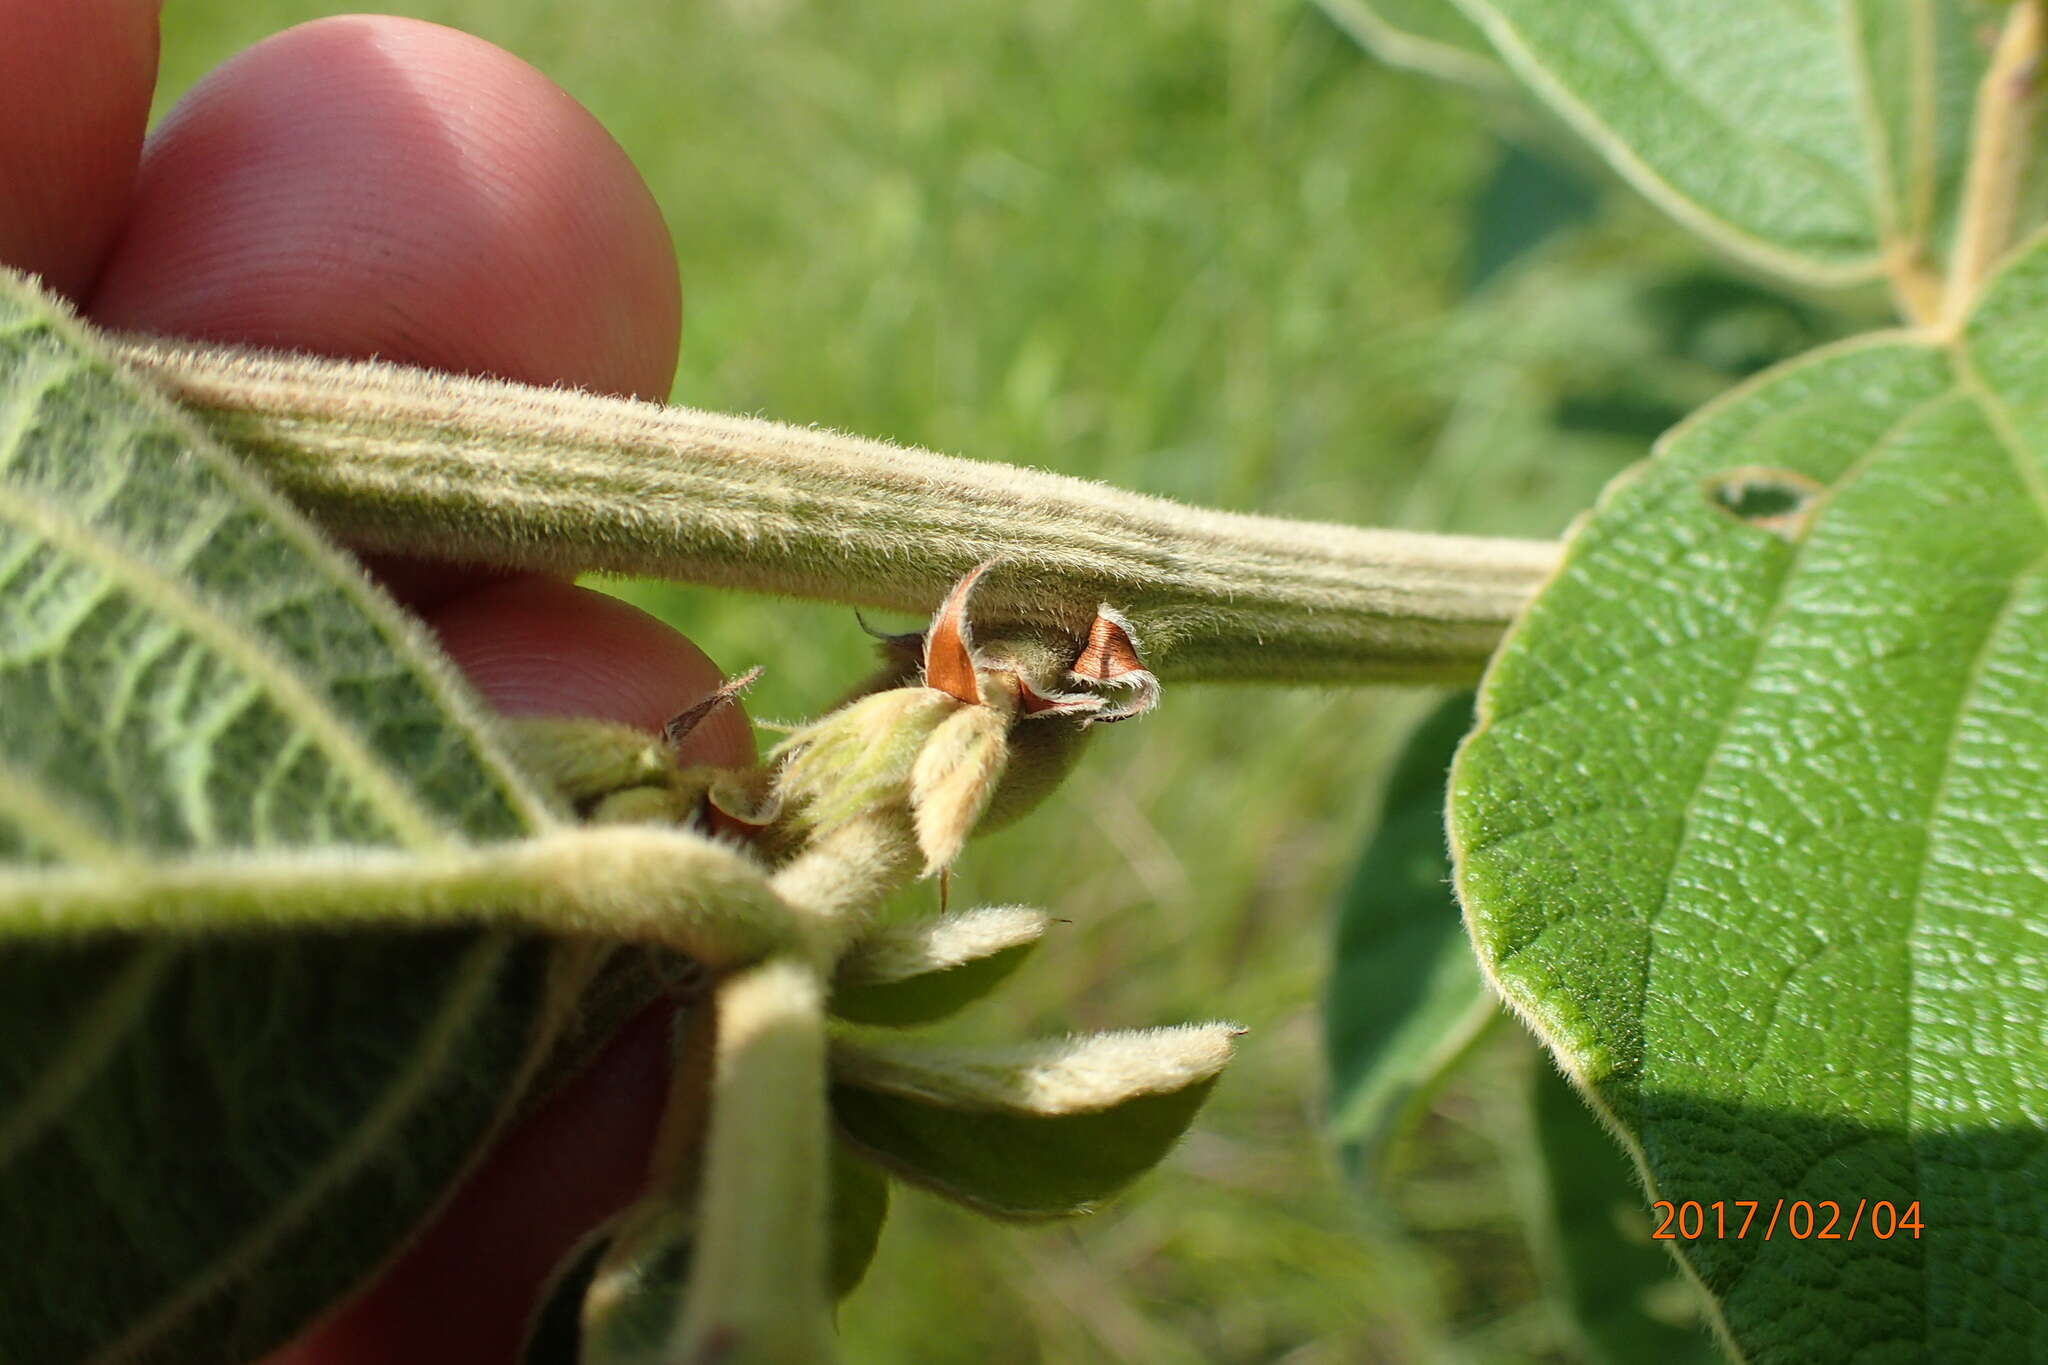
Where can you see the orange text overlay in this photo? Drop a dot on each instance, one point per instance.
(1802, 1220)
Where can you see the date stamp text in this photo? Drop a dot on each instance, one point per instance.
(1816, 1220)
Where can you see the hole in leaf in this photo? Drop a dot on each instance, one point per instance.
(1776, 500)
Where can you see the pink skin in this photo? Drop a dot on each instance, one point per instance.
(363, 186)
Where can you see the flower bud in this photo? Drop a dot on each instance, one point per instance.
(857, 759)
(953, 780)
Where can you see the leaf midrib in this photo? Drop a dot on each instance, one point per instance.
(1742, 688)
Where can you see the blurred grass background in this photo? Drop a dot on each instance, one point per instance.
(1202, 248)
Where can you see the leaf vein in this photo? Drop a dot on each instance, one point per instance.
(432, 1056)
(291, 694)
(108, 1019)
(1937, 799)
(65, 832)
(1688, 813)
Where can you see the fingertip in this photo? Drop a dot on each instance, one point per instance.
(461, 1293)
(534, 646)
(367, 185)
(75, 84)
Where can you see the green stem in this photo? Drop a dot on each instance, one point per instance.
(619, 882)
(758, 1288)
(843, 874)
(406, 461)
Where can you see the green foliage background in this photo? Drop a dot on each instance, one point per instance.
(1199, 248)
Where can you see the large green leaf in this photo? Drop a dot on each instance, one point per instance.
(202, 1142)
(1750, 828)
(1405, 998)
(1619, 1288)
(1811, 138)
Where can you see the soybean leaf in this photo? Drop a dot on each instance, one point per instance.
(1531, 198)
(1623, 1290)
(860, 1205)
(204, 1141)
(1045, 1131)
(1747, 830)
(920, 972)
(1812, 140)
(1405, 999)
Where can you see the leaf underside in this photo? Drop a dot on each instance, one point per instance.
(1621, 1290)
(1751, 830)
(204, 1142)
(1021, 1166)
(860, 1206)
(925, 971)
(1405, 1007)
(1812, 140)
(1405, 997)
(1044, 1131)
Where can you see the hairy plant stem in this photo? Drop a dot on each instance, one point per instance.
(611, 882)
(406, 461)
(758, 1293)
(839, 879)
(2001, 137)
